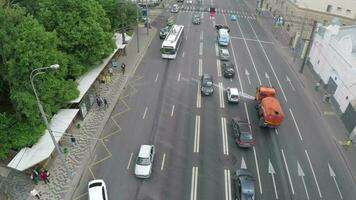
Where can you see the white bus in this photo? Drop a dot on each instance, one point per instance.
(171, 44)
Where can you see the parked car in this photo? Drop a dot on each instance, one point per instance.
(228, 69)
(242, 132)
(144, 161)
(233, 17)
(244, 185)
(224, 54)
(207, 85)
(175, 8)
(164, 32)
(222, 26)
(196, 19)
(232, 95)
(97, 190)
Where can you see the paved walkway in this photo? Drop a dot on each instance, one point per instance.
(62, 185)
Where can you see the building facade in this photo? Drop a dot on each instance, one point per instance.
(299, 14)
(333, 59)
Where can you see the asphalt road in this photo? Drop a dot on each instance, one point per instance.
(195, 154)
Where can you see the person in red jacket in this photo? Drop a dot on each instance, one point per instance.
(44, 177)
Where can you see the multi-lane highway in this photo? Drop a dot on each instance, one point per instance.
(195, 152)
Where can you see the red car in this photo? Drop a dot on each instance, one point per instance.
(242, 133)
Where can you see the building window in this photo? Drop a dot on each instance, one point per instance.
(348, 10)
(328, 9)
(339, 9)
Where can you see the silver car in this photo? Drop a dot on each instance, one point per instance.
(144, 161)
(224, 54)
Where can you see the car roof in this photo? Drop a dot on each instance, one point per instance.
(234, 91)
(145, 151)
(224, 50)
(95, 189)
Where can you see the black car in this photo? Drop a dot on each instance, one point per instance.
(164, 32)
(244, 185)
(207, 86)
(228, 69)
(220, 26)
(196, 19)
(242, 132)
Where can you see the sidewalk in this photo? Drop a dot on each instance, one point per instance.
(62, 186)
(308, 79)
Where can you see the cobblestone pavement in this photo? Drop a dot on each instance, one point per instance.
(61, 184)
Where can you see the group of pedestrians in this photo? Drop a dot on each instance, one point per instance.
(36, 176)
(101, 102)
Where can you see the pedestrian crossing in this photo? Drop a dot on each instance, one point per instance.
(239, 14)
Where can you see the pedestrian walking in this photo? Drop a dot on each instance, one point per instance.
(73, 140)
(35, 193)
(123, 66)
(111, 71)
(44, 176)
(98, 101)
(35, 176)
(106, 105)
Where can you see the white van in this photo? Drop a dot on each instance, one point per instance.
(223, 37)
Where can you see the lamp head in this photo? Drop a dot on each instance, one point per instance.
(55, 66)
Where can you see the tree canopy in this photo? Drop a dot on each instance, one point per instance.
(76, 34)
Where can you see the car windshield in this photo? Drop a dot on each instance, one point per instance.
(246, 137)
(234, 96)
(143, 161)
(208, 83)
(229, 69)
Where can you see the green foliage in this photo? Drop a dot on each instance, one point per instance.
(83, 29)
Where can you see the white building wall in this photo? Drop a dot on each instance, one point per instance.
(347, 8)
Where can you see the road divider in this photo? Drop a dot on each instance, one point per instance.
(224, 136)
(296, 125)
(178, 77)
(128, 164)
(198, 96)
(227, 184)
(193, 189)
(201, 48)
(216, 49)
(200, 69)
(258, 170)
(221, 95)
(163, 159)
(201, 35)
(156, 77)
(144, 114)
(172, 111)
(197, 134)
(218, 67)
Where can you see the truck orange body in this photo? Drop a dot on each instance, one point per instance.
(268, 107)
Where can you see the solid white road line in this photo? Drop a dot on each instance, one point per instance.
(201, 48)
(258, 169)
(156, 77)
(172, 111)
(248, 50)
(221, 95)
(311, 167)
(269, 62)
(198, 97)
(200, 70)
(197, 134)
(287, 169)
(128, 164)
(201, 35)
(227, 184)
(216, 50)
(162, 165)
(186, 37)
(296, 125)
(178, 77)
(193, 189)
(218, 67)
(183, 54)
(144, 114)
(224, 136)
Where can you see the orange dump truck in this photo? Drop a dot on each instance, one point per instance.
(268, 107)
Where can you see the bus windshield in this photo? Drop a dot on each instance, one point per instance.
(168, 50)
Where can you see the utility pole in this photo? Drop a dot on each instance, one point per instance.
(309, 47)
(147, 19)
(122, 20)
(137, 15)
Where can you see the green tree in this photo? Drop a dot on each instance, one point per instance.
(83, 29)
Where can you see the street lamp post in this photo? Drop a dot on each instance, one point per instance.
(34, 73)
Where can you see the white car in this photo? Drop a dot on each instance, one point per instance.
(189, 2)
(144, 161)
(175, 8)
(232, 95)
(97, 190)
